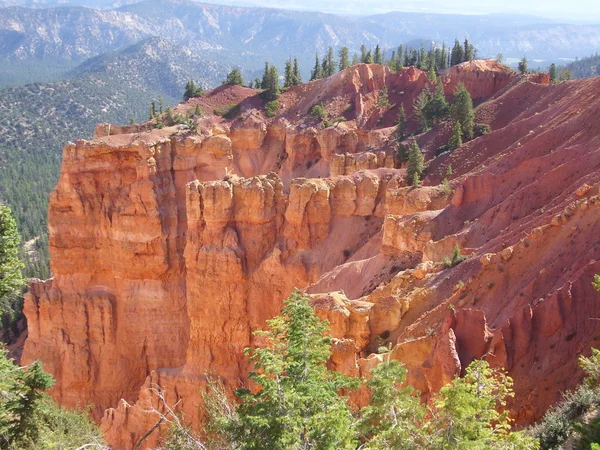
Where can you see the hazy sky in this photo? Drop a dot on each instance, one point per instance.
(584, 10)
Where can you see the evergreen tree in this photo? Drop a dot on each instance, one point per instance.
(458, 54)
(288, 78)
(552, 73)
(234, 78)
(191, 90)
(317, 71)
(462, 111)
(369, 58)
(329, 63)
(442, 63)
(416, 164)
(378, 58)
(265, 77)
(272, 87)
(437, 108)
(297, 405)
(414, 57)
(468, 55)
(467, 415)
(153, 112)
(456, 138)
(257, 83)
(344, 58)
(523, 65)
(422, 61)
(363, 53)
(400, 61)
(391, 419)
(401, 123)
(31, 420)
(296, 77)
(355, 60)
(420, 110)
(431, 75)
(11, 276)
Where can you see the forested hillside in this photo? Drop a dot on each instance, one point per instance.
(585, 67)
(36, 120)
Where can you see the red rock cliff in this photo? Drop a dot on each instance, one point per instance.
(169, 247)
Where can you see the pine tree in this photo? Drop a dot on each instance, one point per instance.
(523, 65)
(265, 77)
(344, 58)
(191, 90)
(272, 87)
(317, 71)
(363, 53)
(437, 108)
(431, 75)
(329, 63)
(414, 57)
(257, 83)
(378, 58)
(369, 58)
(462, 111)
(420, 110)
(416, 164)
(288, 78)
(442, 63)
(458, 54)
(11, 267)
(552, 73)
(400, 58)
(456, 138)
(467, 413)
(468, 54)
(296, 77)
(401, 124)
(297, 405)
(355, 60)
(234, 78)
(392, 418)
(422, 61)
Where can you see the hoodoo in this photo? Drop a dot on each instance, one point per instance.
(170, 247)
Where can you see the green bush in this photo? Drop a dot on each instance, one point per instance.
(228, 111)
(318, 111)
(481, 129)
(456, 258)
(271, 108)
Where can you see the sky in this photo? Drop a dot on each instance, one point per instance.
(578, 10)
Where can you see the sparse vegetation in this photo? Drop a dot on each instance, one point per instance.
(228, 111)
(318, 111)
(455, 259)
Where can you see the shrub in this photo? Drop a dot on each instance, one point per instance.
(456, 259)
(227, 111)
(271, 108)
(481, 129)
(318, 111)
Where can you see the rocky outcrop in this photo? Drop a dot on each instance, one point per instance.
(169, 248)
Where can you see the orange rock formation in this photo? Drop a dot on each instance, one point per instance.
(169, 248)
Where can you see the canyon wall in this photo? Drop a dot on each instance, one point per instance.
(169, 248)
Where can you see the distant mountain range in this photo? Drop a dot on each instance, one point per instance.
(248, 36)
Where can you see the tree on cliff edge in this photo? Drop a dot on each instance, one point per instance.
(298, 405)
(29, 419)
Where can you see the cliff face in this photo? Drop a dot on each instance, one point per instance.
(170, 248)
